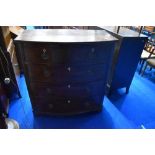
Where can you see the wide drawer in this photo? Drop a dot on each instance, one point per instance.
(93, 90)
(67, 53)
(65, 74)
(63, 105)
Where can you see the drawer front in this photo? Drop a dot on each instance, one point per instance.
(86, 53)
(93, 90)
(63, 105)
(66, 53)
(39, 52)
(65, 90)
(65, 74)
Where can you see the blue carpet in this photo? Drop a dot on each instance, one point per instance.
(21, 110)
(120, 111)
(139, 105)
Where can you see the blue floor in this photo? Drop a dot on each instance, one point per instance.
(120, 111)
(139, 105)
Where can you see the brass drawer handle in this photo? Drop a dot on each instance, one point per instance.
(44, 54)
(44, 50)
(68, 101)
(69, 69)
(69, 86)
(92, 50)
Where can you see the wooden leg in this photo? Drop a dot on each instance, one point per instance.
(3, 124)
(127, 90)
(21, 73)
(144, 69)
(18, 92)
(109, 93)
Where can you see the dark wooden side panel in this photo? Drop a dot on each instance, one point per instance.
(18, 50)
(129, 56)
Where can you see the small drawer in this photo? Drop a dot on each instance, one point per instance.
(89, 53)
(39, 52)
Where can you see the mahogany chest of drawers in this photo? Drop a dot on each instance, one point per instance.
(66, 70)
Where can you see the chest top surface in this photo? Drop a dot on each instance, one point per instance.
(65, 36)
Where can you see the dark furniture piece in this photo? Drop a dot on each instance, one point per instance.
(148, 52)
(14, 32)
(149, 62)
(6, 68)
(3, 107)
(127, 56)
(66, 70)
(6, 71)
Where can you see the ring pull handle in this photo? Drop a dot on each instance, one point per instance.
(44, 54)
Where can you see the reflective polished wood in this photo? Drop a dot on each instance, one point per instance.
(66, 70)
(65, 35)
